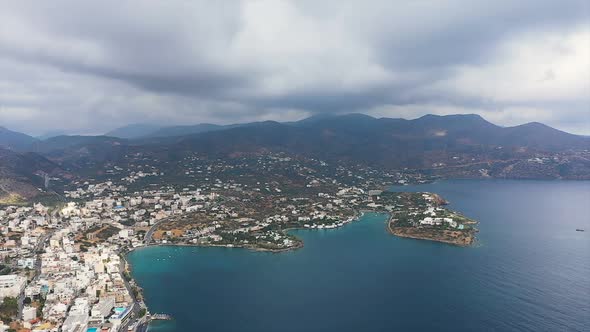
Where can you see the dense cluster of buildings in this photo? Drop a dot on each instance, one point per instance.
(64, 265)
(60, 285)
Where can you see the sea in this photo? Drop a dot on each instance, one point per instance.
(529, 271)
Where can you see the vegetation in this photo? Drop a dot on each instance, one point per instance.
(107, 232)
(5, 269)
(40, 307)
(12, 199)
(8, 309)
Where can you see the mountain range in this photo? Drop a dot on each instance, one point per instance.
(390, 143)
(466, 129)
(430, 143)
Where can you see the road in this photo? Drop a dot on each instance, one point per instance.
(41, 244)
(147, 239)
(136, 306)
(38, 247)
(148, 236)
(142, 328)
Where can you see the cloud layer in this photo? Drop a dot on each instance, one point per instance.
(90, 66)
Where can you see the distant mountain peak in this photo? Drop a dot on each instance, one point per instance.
(535, 124)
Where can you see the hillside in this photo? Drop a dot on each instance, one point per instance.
(23, 174)
(447, 146)
(387, 142)
(184, 130)
(14, 140)
(147, 133)
(133, 131)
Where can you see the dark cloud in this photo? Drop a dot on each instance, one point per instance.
(109, 63)
(467, 32)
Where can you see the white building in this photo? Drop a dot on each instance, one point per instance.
(11, 285)
(29, 313)
(77, 319)
(103, 308)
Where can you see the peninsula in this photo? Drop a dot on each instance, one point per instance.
(423, 216)
(66, 261)
(412, 215)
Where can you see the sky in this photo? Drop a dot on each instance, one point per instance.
(87, 67)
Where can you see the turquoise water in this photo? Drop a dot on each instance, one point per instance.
(92, 329)
(530, 271)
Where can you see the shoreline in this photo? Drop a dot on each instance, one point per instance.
(300, 244)
(472, 237)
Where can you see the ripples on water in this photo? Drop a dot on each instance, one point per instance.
(530, 272)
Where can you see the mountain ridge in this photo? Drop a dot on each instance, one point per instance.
(132, 131)
(15, 140)
(443, 146)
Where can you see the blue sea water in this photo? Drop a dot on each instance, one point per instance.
(530, 271)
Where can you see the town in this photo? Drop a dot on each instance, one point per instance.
(64, 266)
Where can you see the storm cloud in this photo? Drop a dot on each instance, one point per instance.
(87, 67)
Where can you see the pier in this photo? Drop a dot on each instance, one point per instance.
(161, 317)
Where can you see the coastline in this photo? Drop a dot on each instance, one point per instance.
(411, 233)
(299, 243)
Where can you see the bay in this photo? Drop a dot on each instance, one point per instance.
(530, 271)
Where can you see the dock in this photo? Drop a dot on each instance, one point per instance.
(161, 317)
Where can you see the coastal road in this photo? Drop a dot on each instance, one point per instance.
(142, 326)
(136, 305)
(147, 239)
(150, 233)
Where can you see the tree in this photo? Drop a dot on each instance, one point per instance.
(9, 307)
(40, 307)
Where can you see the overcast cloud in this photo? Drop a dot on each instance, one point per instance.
(88, 67)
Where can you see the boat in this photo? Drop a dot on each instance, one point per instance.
(579, 230)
